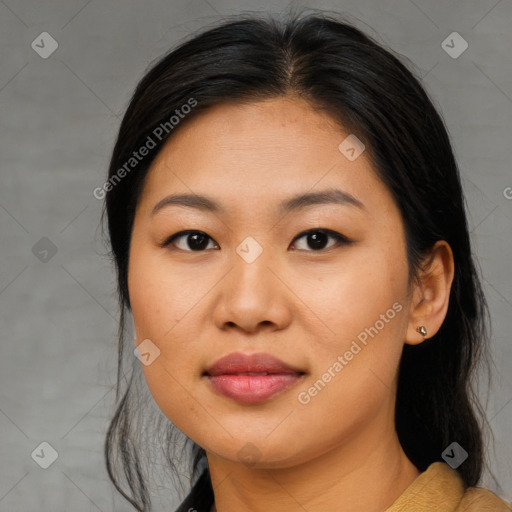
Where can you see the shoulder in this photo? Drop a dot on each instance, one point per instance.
(440, 489)
(481, 500)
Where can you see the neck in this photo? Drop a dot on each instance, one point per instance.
(367, 473)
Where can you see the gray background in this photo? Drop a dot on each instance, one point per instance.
(59, 118)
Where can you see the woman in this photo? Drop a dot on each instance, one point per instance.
(288, 228)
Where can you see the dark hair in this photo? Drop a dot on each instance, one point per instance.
(338, 69)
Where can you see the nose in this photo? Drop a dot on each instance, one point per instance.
(252, 296)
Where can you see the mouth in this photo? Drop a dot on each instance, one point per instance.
(250, 379)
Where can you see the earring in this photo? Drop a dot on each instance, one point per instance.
(422, 330)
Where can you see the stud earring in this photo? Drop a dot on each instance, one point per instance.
(422, 330)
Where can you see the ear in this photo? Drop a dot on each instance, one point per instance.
(431, 293)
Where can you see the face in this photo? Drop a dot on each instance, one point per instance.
(319, 283)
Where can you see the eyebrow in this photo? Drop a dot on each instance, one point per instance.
(330, 196)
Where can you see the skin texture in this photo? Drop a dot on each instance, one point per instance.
(306, 306)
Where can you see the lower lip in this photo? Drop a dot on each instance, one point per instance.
(250, 389)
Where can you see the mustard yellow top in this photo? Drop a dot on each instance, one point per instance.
(441, 489)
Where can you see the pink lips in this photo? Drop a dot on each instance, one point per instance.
(251, 378)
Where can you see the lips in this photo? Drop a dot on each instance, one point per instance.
(251, 378)
(238, 363)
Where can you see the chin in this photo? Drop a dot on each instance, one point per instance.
(261, 453)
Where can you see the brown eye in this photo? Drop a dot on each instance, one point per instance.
(318, 239)
(190, 240)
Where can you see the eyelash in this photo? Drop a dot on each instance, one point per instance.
(340, 239)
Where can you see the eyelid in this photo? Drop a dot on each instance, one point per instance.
(340, 239)
(179, 234)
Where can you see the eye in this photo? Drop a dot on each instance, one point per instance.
(318, 239)
(194, 240)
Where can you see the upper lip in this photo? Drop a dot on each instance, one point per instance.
(238, 363)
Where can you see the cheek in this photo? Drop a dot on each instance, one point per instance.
(363, 311)
(160, 300)
(344, 299)
(161, 296)
(164, 308)
(177, 400)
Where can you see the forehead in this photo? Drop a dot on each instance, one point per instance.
(259, 152)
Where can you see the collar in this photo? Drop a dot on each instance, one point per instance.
(439, 488)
